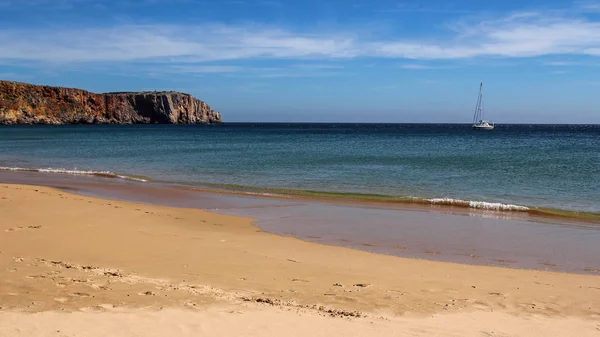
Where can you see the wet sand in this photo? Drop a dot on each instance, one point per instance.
(433, 233)
(78, 265)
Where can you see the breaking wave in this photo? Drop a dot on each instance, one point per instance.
(103, 174)
(478, 204)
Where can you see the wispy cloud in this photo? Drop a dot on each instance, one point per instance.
(9, 76)
(73, 4)
(294, 70)
(284, 73)
(592, 6)
(515, 35)
(317, 66)
(203, 69)
(418, 8)
(169, 42)
(415, 66)
(44, 4)
(559, 63)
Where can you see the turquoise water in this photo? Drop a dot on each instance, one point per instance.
(556, 166)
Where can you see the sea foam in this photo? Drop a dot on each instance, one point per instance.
(105, 174)
(478, 204)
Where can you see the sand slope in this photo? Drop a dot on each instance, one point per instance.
(276, 322)
(67, 261)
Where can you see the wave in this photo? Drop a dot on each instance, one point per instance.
(390, 199)
(281, 192)
(478, 204)
(357, 197)
(103, 174)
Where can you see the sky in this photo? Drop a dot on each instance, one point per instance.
(321, 61)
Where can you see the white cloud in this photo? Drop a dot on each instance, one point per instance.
(168, 42)
(517, 35)
(521, 34)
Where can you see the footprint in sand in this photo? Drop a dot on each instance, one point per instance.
(14, 229)
(35, 276)
(362, 285)
(299, 280)
(78, 294)
(99, 287)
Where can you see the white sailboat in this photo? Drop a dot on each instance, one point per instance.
(479, 123)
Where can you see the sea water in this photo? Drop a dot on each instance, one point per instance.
(550, 166)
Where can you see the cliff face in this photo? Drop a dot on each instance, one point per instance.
(22, 103)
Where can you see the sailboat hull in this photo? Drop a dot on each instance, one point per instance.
(483, 127)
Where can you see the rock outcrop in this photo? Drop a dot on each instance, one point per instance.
(23, 103)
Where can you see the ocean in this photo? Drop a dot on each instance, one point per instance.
(511, 167)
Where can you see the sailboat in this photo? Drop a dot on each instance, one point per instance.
(479, 123)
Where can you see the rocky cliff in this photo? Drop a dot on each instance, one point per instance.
(23, 103)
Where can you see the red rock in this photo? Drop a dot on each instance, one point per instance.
(23, 103)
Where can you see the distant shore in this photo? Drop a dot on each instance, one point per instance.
(26, 103)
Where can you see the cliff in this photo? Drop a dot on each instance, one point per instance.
(23, 103)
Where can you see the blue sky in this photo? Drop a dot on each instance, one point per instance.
(321, 61)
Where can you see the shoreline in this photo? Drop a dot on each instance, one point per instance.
(432, 233)
(427, 204)
(434, 204)
(78, 256)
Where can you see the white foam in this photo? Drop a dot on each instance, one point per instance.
(479, 204)
(74, 172)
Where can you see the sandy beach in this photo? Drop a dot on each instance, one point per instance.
(73, 265)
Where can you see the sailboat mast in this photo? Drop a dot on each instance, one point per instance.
(477, 115)
(481, 99)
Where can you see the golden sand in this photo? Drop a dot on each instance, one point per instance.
(95, 267)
